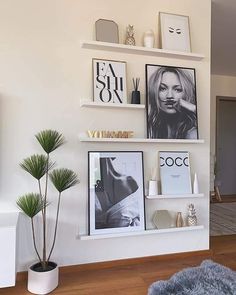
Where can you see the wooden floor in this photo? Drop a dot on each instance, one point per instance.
(222, 219)
(132, 278)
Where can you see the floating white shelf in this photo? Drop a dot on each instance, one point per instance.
(91, 104)
(141, 140)
(142, 233)
(187, 196)
(140, 50)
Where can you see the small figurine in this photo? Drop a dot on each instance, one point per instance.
(179, 220)
(130, 36)
(191, 218)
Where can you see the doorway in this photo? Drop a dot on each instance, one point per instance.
(226, 147)
(222, 214)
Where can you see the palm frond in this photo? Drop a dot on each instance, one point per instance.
(36, 165)
(63, 179)
(50, 140)
(31, 204)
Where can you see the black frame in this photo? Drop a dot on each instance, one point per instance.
(190, 72)
(102, 219)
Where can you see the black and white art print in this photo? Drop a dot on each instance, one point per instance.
(175, 33)
(116, 192)
(109, 81)
(171, 102)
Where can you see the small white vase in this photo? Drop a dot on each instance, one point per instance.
(195, 184)
(148, 39)
(152, 188)
(42, 282)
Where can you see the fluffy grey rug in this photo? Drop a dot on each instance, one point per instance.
(209, 278)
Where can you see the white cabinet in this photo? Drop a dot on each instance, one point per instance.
(8, 233)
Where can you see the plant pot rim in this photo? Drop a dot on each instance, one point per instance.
(34, 266)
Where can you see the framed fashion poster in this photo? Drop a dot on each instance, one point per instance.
(116, 192)
(175, 33)
(171, 102)
(175, 173)
(109, 81)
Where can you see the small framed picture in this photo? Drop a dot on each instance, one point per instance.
(116, 192)
(175, 33)
(171, 102)
(175, 173)
(109, 81)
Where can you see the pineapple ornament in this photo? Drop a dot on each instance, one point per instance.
(191, 218)
(130, 36)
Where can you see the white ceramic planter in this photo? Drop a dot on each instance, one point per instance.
(42, 282)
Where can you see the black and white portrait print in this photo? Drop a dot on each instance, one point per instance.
(116, 195)
(171, 102)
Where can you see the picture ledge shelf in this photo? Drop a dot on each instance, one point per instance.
(92, 104)
(142, 233)
(140, 140)
(183, 196)
(140, 50)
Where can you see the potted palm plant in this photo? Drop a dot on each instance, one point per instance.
(43, 275)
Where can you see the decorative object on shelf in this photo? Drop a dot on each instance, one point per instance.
(171, 102)
(109, 81)
(148, 39)
(195, 184)
(43, 276)
(175, 33)
(135, 99)
(179, 220)
(116, 192)
(175, 173)
(130, 36)
(191, 218)
(152, 184)
(106, 31)
(152, 188)
(164, 219)
(110, 134)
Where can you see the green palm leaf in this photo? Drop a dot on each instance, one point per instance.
(63, 179)
(37, 165)
(31, 204)
(50, 140)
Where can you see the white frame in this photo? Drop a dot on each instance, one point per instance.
(123, 165)
(175, 173)
(175, 32)
(109, 81)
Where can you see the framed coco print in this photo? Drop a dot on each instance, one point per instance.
(175, 33)
(116, 192)
(171, 102)
(175, 173)
(109, 81)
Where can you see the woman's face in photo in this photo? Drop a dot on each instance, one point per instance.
(170, 92)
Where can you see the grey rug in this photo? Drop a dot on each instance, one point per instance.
(209, 278)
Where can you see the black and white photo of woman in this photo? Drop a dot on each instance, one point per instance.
(171, 102)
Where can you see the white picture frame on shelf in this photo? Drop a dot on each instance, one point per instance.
(175, 32)
(116, 192)
(175, 173)
(109, 81)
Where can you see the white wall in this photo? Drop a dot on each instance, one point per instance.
(43, 75)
